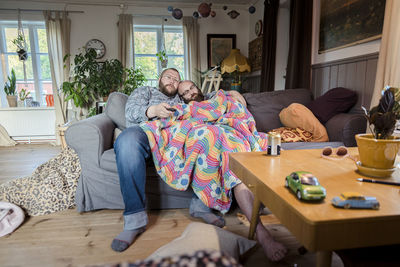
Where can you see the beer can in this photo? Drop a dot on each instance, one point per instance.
(274, 144)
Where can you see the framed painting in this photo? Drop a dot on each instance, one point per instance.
(345, 23)
(218, 47)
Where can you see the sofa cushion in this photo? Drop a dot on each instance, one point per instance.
(289, 135)
(298, 116)
(265, 107)
(335, 101)
(115, 109)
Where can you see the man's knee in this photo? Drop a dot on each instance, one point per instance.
(131, 141)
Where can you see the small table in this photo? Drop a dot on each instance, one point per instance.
(319, 226)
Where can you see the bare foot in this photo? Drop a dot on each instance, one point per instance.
(274, 250)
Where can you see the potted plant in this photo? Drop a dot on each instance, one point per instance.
(162, 56)
(20, 43)
(11, 90)
(134, 79)
(379, 149)
(23, 94)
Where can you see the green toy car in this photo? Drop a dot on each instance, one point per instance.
(305, 185)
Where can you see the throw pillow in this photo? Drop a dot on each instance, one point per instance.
(290, 135)
(198, 236)
(335, 101)
(298, 116)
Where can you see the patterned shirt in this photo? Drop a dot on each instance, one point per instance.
(141, 99)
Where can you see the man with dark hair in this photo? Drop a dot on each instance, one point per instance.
(132, 150)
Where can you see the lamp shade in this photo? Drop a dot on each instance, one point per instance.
(235, 61)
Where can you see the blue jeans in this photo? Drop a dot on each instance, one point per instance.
(132, 149)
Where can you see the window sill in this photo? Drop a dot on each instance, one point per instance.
(26, 108)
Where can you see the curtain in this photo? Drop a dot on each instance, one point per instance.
(191, 38)
(299, 59)
(58, 29)
(125, 40)
(388, 70)
(269, 45)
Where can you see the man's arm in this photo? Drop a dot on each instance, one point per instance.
(137, 105)
(238, 97)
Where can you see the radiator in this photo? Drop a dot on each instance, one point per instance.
(28, 125)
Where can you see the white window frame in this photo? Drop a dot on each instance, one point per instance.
(157, 29)
(35, 54)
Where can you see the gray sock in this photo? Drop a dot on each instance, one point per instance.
(199, 210)
(122, 241)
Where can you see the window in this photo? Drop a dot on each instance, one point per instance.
(37, 66)
(148, 41)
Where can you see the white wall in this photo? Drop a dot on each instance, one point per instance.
(356, 50)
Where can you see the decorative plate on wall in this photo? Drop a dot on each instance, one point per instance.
(258, 28)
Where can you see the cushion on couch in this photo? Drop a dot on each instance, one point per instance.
(298, 116)
(115, 109)
(289, 135)
(335, 101)
(266, 106)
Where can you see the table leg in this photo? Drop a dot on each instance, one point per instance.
(324, 258)
(254, 215)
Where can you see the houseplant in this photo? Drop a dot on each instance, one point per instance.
(11, 90)
(162, 56)
(20, 43)
(134, 79)
(23, 94)
(379, 149)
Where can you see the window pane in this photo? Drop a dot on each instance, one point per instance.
(148, 65)
(47, 88)
(145, 43)
(18, 66)
(177, 63)
(29, 87)
(174, 43)
(42, 40)
(11, 34)
(45, 67)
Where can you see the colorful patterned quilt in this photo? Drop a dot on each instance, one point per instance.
(191, 148)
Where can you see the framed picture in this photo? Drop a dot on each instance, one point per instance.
(218, 47)
(345, 23)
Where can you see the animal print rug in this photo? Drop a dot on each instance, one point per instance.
(50, 188)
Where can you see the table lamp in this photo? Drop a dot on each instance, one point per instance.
(235, 63)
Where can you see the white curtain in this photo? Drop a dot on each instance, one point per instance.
(191, 37)
(125, 40)
(388, 71)
(58, 28)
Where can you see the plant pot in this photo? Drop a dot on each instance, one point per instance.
(22, 54)
(12, 101)
(164, 63)
(377, 153)
(20, 103)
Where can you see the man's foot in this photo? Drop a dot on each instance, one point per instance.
(122, 241)
(274, 250)
(199, 210)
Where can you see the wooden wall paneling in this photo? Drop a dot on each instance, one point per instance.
(334, 76)
(372, 65)
(325, 80)
(351, 70)
(342, 74)
(360, 84)
(318, 84)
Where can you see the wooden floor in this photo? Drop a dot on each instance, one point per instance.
(70, 238)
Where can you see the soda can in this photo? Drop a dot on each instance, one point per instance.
(274, 144)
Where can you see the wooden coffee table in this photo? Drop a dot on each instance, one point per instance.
(319, 226)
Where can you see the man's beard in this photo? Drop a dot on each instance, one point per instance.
(163, 89)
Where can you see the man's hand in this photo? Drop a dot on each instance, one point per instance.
(161, 111)
(238, 97)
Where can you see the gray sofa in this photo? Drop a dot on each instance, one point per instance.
(92, 139)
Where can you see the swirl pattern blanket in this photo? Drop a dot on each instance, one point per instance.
(191, 148)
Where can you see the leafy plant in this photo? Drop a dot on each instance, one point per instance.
(10, 85)
(112, 73)
(19, 42)
(23, 94)
(162, 56)
(384, 116)
(134, 79)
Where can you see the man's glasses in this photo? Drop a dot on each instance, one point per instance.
(170, 78)
(188, 90)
